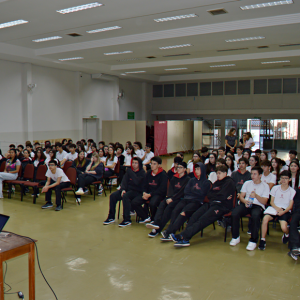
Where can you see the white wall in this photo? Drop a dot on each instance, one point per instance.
(56, 107)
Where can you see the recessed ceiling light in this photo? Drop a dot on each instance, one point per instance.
(115, 53)
(79, 8)
(176, 18)
(104, 29)
(12, 23)
(274, 62)
(123, 74)
(246, 39)
(175, 46)
(70, 58)
(133, 72)
(175, 69)
(267, 4)
(222, 66)
(50, 38)
(128, 59)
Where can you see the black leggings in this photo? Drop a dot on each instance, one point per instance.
(294, 240)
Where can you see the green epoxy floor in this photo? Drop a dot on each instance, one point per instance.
(83, 259)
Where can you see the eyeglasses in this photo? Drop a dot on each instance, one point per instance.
(285, 178)
(179, 167)
(51, 165)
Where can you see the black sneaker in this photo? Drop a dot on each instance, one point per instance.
(47, 205)
(124, 223)
(58, 208)
(293, 256)
(296, 251)
(165, 237)
(108, 221)
(262, 245)
(285, 239)
(153, 233)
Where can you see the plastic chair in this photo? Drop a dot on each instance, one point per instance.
(67, 165)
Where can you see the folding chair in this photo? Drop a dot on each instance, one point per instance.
(72, 175)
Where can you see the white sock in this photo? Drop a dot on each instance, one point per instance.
(263, 239)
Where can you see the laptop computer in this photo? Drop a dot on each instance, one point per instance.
(3, 221)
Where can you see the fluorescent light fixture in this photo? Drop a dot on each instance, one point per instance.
(274, 62)
(175, 46)
(267, 4)
(50, 38)
(70, 58)
(79, 8)
(123, 74)
(222, 66)
(12, 23)
(134, 72)
(175, 69)
(104, 29)
(128, 59)
(176, 18)
(115, 53)
(252, 38)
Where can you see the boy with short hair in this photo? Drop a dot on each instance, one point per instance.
(257, 153)
(213, 175)
(47, 150)
(173, 170)
(56, 180)
(147, 157)
(154, 191)
(292, 155)
(29, 148)
(221, 152)
(241, 175)
(281, 204)
(73, 154)
(204, 153)
(61, 154)
(220, 202)
(253, 198)
(273, 153)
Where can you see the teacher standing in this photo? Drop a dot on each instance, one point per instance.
(231, 140)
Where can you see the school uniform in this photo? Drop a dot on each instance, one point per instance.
(80, 167)
(108, 171)
(148, 157)
(194, 195)
(64, 183)
(61, 156)
(220, 197)
(237, 157)
(132, 184)
(10, 166)
(261, 189)
(281, 199)
(176, 193)
(271, 178)
(156, 186)
(71, 156)
(239, 179)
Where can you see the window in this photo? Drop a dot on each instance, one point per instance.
(217, 88)
(230, 87)
(192, 89)
(169, 90)
(157, 91)
(260, 86)
(274, 86)
(205, 88)
(244, 87)
(180, 90)
(290, 85)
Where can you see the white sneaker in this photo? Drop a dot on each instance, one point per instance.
(79, 192)
(78, 200)
(146, 220)
(234, 242)
(251, 246)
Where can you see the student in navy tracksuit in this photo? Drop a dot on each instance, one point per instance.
(174, 196)
(173, 170)
(154, 191)
(294, 238)
(220, 203)
(194, 194)
(131, 187)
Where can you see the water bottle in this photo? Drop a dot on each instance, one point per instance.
(250, 200)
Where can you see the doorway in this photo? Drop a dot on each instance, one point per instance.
(90, 129)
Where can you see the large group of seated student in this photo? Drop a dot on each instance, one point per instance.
(201, 191)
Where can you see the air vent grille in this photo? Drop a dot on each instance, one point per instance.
(172, 55)
(232, 49)
(74, 34)
(289, 45)
(262, 47)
